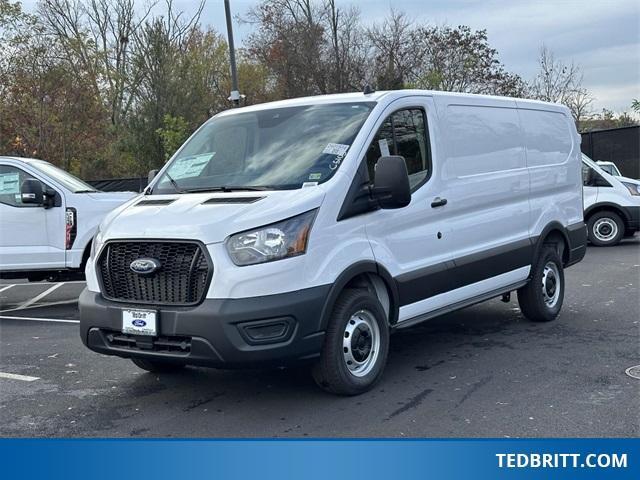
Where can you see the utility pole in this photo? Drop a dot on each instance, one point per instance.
(235, 94)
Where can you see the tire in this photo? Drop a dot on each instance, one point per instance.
(541, 299)
(357, 317)
(156, 366)
(605, 229)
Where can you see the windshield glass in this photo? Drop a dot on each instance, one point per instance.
(63, 177)
(280, 148)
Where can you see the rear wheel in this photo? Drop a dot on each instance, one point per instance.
(156, 366)
(605, 229)
(541, 299)
(356, 345)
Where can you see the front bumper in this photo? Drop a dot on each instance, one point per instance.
(633, 218)
(218, 332)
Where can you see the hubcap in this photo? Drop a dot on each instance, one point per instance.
(361, 343)
(605, 229)
(551, 286)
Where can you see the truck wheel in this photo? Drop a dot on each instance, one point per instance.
(541, 299)
(605, 229)
(355, 346)
(157, 367)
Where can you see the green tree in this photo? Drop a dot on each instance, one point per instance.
(173, 134)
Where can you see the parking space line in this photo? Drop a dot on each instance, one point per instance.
(6, 288)
(36, 319)
(42, 305)
(15, 376)
(39, 297)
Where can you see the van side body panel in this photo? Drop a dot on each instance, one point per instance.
(554, 162)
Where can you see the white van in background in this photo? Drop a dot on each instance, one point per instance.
(309, 229)
(48, 218)
(611, 205)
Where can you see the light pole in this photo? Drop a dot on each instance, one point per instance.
(235, 94)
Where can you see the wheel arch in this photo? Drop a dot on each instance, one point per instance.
(554, 232)
(606, 207)
(364, 274)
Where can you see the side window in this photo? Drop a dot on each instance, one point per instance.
(10, 180)
(591, 178)
(586, 175)
(403, 133)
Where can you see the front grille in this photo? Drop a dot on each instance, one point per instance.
(182, 278)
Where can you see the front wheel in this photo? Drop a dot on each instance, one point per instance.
(541, 299)
(355, 346)
(605, 229)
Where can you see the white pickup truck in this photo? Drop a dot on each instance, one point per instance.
(48, 219)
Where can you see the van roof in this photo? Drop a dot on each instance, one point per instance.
(389, 96)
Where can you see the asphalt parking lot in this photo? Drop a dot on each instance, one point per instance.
(481, 372)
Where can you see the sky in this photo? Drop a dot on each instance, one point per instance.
(602, 36)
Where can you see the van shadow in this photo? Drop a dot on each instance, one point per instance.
(483, 326)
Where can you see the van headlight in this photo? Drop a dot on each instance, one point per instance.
(96, 243)
(634, 188)
(280, 240)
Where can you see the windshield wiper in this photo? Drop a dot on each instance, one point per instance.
(85, 191)
(226, 189)
(174, 184)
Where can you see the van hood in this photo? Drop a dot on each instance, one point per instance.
(628, 180)
(208, 217)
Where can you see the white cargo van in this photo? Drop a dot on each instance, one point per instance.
(611, 205)
(47, 219)
(308, 229)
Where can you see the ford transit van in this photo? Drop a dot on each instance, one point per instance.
(611, 204)
(307, 230)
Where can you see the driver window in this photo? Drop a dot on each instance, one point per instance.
(403, 133)
(11, 179)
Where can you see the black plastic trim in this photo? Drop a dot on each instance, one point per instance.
(633, 218)
(359, 268)
(446, 276)
(155, 202)
(213, 327)
(231, 200)
(459, 305)
(611, 206)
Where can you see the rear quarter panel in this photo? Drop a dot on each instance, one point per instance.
(554, 162)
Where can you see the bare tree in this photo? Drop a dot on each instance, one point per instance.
(97, 37)
(561, 83)
(395, 55)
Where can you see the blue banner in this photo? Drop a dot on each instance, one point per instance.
(319, 459)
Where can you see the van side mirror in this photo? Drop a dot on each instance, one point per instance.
(391, 186)
(151, 175)
(31, 192)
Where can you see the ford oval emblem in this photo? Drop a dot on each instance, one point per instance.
(144, 266)
(138, 323)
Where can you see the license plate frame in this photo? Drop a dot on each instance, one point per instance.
(137, 321)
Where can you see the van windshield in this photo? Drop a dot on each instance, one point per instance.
(280, 148)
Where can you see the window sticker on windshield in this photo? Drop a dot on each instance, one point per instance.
(384, 147)
(315, 176)
(309, 184)
(338, 149)
(9, 183)
(190, 166)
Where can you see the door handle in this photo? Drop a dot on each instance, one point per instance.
(438, 202)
